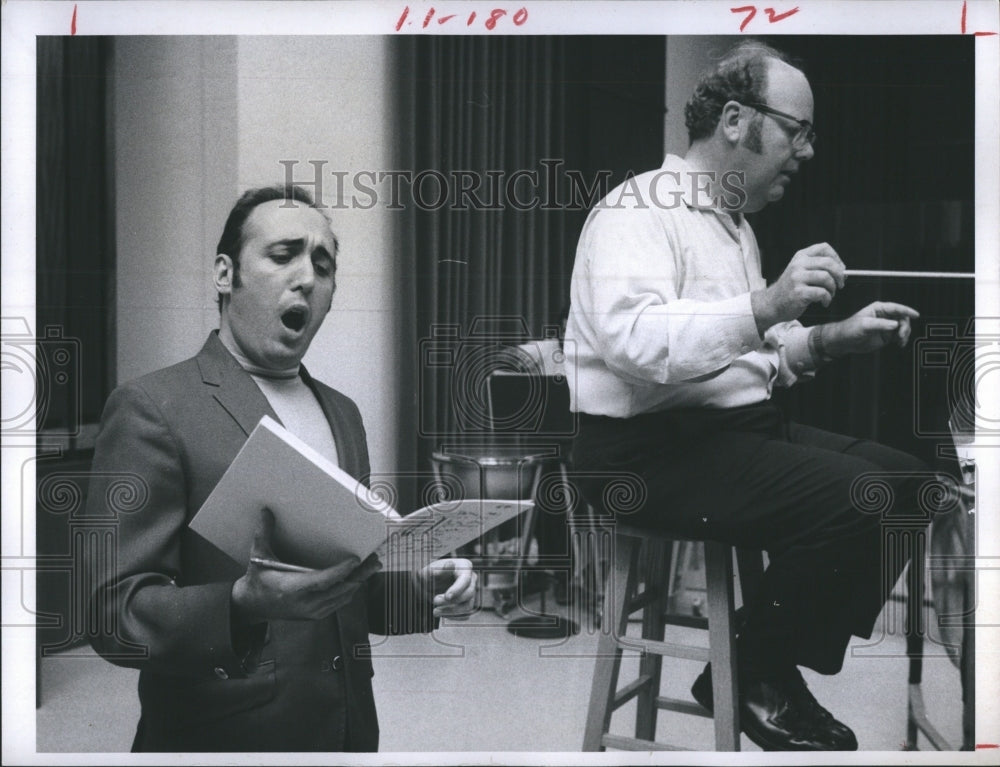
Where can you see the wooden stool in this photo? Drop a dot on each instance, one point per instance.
(643, 555)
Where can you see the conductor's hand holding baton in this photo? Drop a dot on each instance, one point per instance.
(812, 276)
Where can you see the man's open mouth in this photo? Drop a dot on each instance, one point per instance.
(294, 318)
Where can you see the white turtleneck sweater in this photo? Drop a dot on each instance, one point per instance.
(294, 403)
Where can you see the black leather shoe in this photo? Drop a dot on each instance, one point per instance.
(782, 715)
(843, 734)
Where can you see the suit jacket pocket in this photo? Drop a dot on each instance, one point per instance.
(179, 703)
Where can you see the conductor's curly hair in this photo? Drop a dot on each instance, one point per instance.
(741, 75)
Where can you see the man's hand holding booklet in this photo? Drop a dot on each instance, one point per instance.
(322, 515)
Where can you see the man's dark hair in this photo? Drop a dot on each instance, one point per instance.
(232, 239)
(741, 75)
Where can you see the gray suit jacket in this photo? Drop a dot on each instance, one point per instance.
(162, 604)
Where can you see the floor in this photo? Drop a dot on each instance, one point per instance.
(474, 686)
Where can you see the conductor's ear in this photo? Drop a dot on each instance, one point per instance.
(223, 274)
(729, 121)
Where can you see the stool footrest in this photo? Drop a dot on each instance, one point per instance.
(645, 587)
(636, 744)
(629, 691)
(648, 596)
(670, 649)
(682, 706)
(688, 621)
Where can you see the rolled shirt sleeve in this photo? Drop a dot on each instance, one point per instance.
(791, 340)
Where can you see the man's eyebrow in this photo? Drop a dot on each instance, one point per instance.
(293, 244)
(298, 244)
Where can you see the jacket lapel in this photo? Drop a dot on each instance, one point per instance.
(234, 389)
(347, 447)
(243, 400)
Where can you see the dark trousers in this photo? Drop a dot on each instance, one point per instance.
(822, 506)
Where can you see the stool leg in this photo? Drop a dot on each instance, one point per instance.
(721, 637)
(609, 653)
(651, 664)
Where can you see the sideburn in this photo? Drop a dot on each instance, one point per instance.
(754, 139)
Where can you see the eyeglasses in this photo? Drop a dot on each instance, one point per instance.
(804, 135)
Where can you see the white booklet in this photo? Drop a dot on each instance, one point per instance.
(322, 514)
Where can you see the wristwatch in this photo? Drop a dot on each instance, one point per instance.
(816, 346)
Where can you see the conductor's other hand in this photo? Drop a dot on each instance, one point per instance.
(814, 275)
(453, 583)
(267, 593)
(873, 327)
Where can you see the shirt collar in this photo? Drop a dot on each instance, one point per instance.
(691, 184)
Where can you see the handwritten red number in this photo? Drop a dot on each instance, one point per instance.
(520, 17)
(773, 15)
(72, 25)
(751, 10)
(402, 18)
(495, 16)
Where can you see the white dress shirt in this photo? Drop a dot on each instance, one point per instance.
(660, 304)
